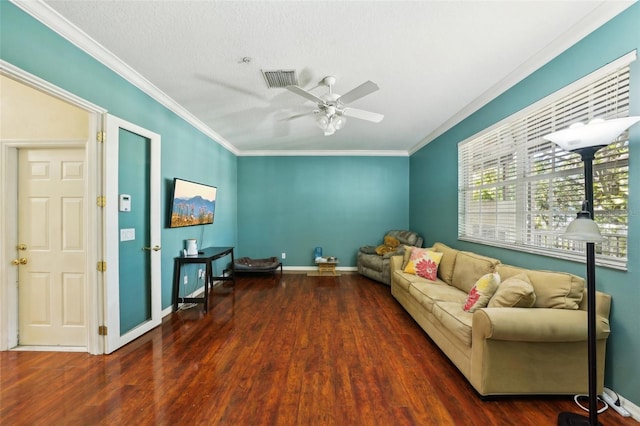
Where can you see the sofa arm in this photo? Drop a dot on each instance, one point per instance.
(399, 252)
(396, 262)
(368, 250)
(535, 325)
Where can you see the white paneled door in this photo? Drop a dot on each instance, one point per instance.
(52, 283)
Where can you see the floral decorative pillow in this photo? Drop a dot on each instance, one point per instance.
(423, 263)
(481, 292)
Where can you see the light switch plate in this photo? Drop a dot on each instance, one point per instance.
(128, 234)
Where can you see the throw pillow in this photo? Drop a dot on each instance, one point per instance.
(423, 263)
(558, 290)
(406, 255)
(515, 291)
(445, 269)
(481, 292)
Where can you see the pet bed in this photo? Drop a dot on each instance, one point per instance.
(246, 264)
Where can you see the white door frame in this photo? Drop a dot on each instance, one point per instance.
(9, 215)
(112, 286)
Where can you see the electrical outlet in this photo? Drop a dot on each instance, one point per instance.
(200, 274)
(284, 255)
(186, 280)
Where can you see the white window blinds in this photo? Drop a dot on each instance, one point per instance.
(520, 191)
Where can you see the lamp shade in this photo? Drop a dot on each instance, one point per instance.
(596, 133)
(322, 121)
(583, 228)
(339, 122)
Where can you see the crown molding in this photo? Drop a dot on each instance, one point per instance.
(323, 153)
(38, 83)
(56, 22)
(606, 11)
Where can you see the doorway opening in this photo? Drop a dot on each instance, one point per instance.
(51, 177)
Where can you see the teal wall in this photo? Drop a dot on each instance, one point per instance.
(294, 204)
(267, 205)
(186, 152)
(434, 212)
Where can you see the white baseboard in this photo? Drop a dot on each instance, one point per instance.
(50, 349)
(633, 409)
(168, 310)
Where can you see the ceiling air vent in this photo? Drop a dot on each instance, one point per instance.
(280, 78)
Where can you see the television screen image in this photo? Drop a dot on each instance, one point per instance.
(192, 204)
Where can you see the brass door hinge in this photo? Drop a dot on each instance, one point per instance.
(102, 136)
(102, 330)
(102, 266)
(102, 201)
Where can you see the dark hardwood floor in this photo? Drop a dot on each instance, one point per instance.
(292, 351)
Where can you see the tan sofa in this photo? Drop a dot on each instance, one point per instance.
(506, 350)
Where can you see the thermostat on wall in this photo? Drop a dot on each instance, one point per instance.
(125, 202)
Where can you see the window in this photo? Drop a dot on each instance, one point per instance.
(520, 191)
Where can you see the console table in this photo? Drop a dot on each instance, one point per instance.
(206, 256)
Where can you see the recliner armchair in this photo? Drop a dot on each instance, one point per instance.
(377, 267)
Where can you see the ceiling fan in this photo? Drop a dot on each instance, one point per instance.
(332, 110)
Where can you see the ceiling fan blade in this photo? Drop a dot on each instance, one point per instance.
(293, 117)
(363, 115)
(230, 86)
(359, 92)
(300, 91)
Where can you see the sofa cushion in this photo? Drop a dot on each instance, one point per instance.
(553, 289)
(457, 322)
(428, 292)
(481, 292)
(423, 263)
(402, 279)
(469, 267)
(447, 263)
(514, 292)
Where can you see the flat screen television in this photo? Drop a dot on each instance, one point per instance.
(192, 203)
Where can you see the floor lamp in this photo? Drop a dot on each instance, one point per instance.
(586, 140)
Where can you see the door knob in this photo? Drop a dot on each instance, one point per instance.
(22, 247)
(154, 248)
(21, 261)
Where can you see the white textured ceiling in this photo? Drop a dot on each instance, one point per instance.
(435, 61)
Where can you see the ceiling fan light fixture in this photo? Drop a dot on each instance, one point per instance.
(322, 121)
(339, 122)
(330, 115)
